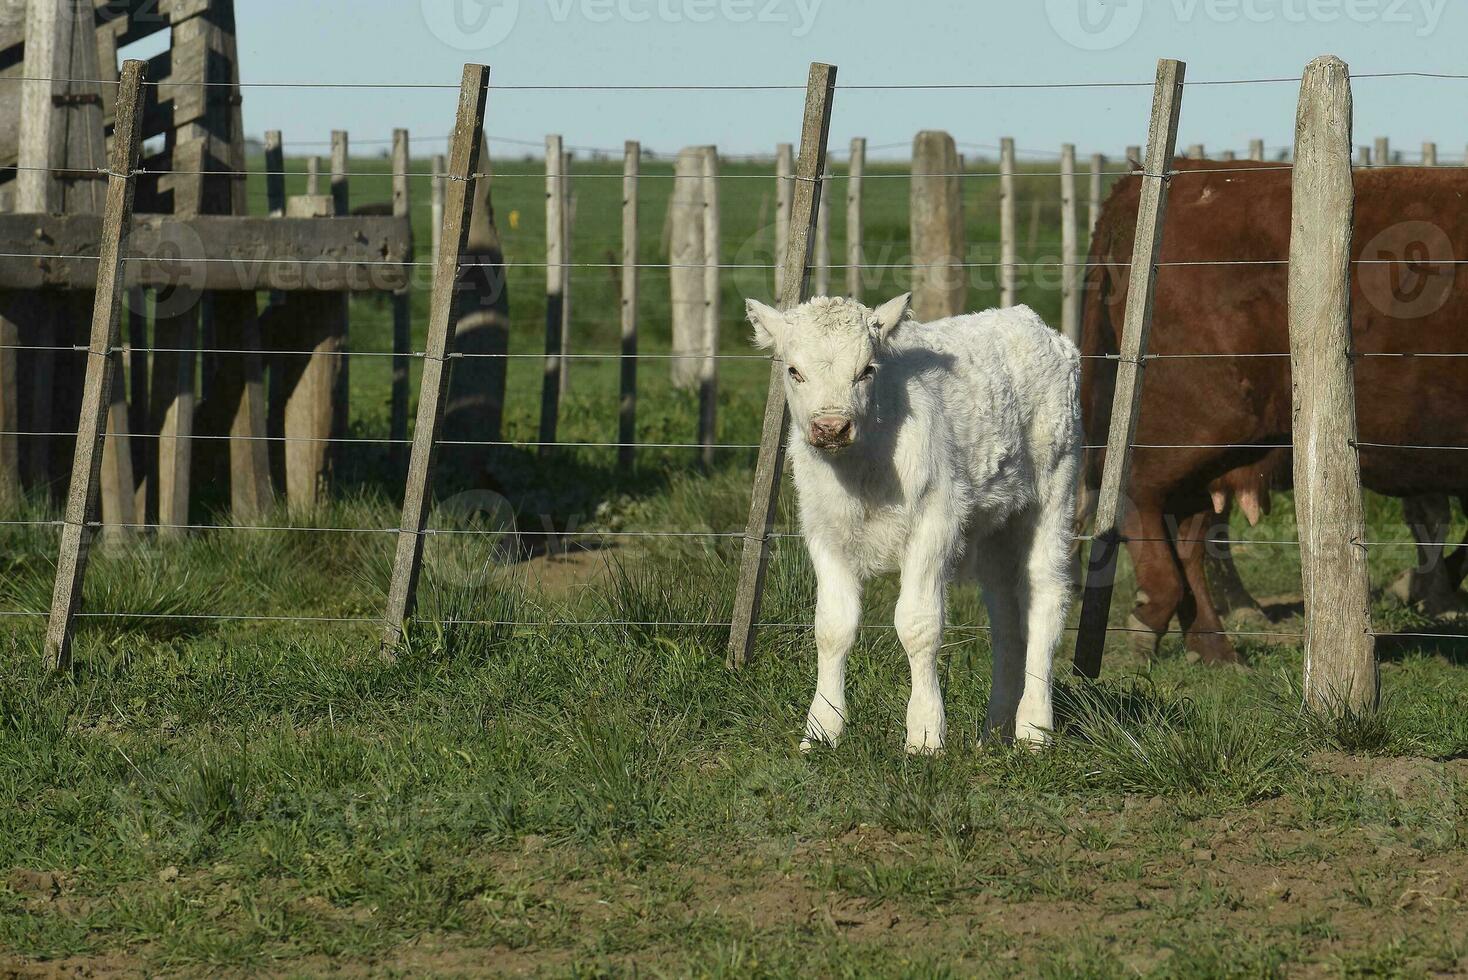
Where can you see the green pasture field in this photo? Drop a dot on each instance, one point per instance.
(544, 784)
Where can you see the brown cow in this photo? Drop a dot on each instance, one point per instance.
(1244, 402)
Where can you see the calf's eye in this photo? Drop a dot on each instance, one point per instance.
(866, 375)
(796, 376)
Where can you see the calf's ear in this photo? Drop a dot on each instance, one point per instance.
(769, 324)
(892, 314)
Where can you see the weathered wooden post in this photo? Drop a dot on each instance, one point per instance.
(313, 176)
(464, 160)
(342, 203)
(855, 174)
(687, 258)
(1196, 152)
(1340, 661)
(1070, 273)
(1256, 150)
(1228, 155)
(784, 196)
(822, 273)
(1383, 151)
(1134, 157)
(1007, 244)
(476, 401)
(274, 173)
(402, 311)
(1363, 157)
(819, 94)
(1429, 154)
(568, 249)
(1116, 475)
(71, 562)
(939, 280)
(555, 295)
(1098, 168)
(708, 372)
(627, 413)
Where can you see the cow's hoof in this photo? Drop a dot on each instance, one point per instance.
(1033, 737)
(1143, 639)
(924, 748)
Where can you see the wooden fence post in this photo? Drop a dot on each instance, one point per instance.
(1007, 243)
(402, 310)
(708, 374)
(313, 176)
(1383, 151)
(1256, 150)
(687, 256)
(627, 414)
(935, 215)
(341, 165)
(1197, 152)
(1340, 661)
(784, 196)
(464, 160)
(1228, 155)
(1134, 157)
(1070, 273)
(1363, 157)
(274, 173)
(855, 173)
(1116, 475)
(1429, 154)
(568, 249)
(822, 274)
(71, 561)
(439, 165)
(819, 95)
(555, 297)
(1098, 167)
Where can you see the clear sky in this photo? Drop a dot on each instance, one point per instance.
(874, 42)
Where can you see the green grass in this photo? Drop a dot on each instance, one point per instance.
(522, 794)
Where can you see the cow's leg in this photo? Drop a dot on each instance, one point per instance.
(1433, 584)
(1159, 581)
(919, 622)
(1004, 598)
(1048, 573)
(1230, 596)
(838, 615)
(1202, 629)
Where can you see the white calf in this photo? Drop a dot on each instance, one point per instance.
(942, 450)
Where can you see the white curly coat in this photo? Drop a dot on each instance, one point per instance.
(942, 450)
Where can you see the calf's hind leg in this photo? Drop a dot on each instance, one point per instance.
(1048, 575)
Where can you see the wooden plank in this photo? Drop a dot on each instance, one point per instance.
(207, 252)
(464, 159)
(627, 412)
(708, 374)
(1008, 291)
(1127, 399)
(402, 312)
(815, 130)
(1070, 272)
(555, 284)
(1340, 657)
(48, 58)
(935, 214)
(784, 196)
(71, 561)
(855, 175)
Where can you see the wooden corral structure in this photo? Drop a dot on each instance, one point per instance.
(195, 400)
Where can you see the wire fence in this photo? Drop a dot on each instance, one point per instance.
(131, 350)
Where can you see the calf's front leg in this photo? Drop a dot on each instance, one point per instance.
(919, 622)
(838, 615)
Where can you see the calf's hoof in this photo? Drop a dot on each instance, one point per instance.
(926, 748)
(1214, 650)
(1143, 639)
(824, 725)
